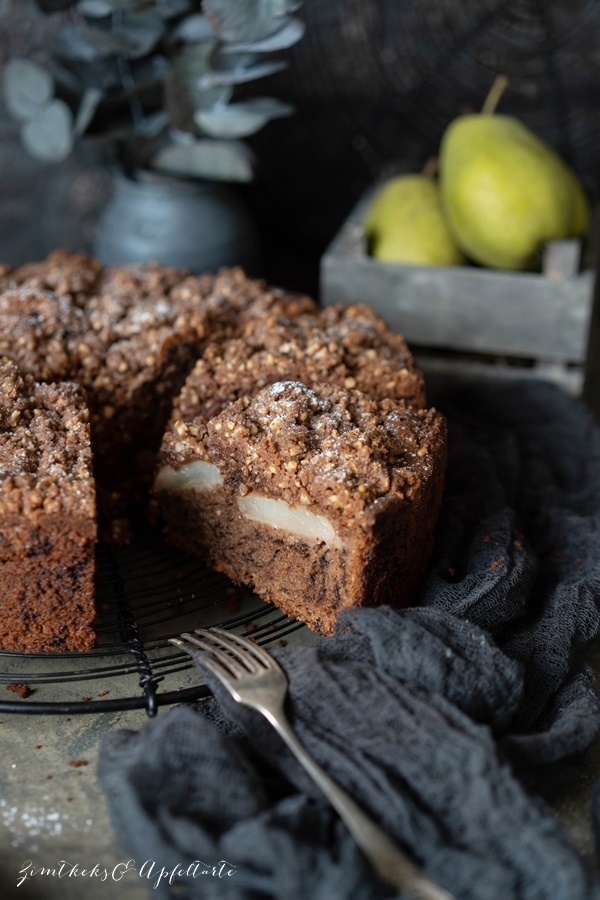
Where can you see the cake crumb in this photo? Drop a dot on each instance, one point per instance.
(23, 690)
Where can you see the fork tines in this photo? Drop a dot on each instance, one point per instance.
(238, 654)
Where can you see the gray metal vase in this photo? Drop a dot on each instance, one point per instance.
(196, 225)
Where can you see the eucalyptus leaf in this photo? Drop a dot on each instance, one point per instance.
(214, 160)
(182, 137)
(108, 42)
(73, 44)
(87, 110)
(49, 137)
(240, 120)
(290, 34)
(133, 36)
(282, 8)
(194, 28)
(27, 88)
(240, 75)
(243, 20)
(145, 29)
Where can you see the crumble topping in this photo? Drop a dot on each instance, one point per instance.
(141, 280)
(348, 346)
(45, 334)
(231, 298)
(68, 274)
(45, 455)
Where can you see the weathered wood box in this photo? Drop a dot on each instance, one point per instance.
(463, 321)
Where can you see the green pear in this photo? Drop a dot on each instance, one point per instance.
(505, 193)
(405, 224)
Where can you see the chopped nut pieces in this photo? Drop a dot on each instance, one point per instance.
(349, 347)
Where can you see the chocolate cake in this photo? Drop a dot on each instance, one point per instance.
(130, 336)
(47, 515)
(318, 498)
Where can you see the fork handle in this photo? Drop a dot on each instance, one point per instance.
(390, 862)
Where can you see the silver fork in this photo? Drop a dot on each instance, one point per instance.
(255, 679)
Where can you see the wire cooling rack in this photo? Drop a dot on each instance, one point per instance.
(145, 594)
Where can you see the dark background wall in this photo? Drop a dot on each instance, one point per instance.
(374, 84)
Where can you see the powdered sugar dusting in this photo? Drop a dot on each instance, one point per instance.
(41, 822)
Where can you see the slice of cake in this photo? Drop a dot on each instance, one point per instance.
(47, 516)
(318, 498)
(149, 344)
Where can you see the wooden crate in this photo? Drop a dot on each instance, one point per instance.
(463, 321)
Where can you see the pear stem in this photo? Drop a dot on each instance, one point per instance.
(493, 98)
(431, 167)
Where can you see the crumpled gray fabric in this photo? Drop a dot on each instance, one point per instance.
(440, 720)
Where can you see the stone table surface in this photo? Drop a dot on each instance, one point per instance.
(51, 810)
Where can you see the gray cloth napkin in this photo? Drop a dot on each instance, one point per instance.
(443, 720)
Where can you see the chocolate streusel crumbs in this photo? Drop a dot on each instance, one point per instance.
(231, 299)
(45, 454)
(46, 334)
(67, 274)
(349, 347)
(144, 281)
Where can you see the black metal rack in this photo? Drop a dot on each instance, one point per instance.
(145, 594)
